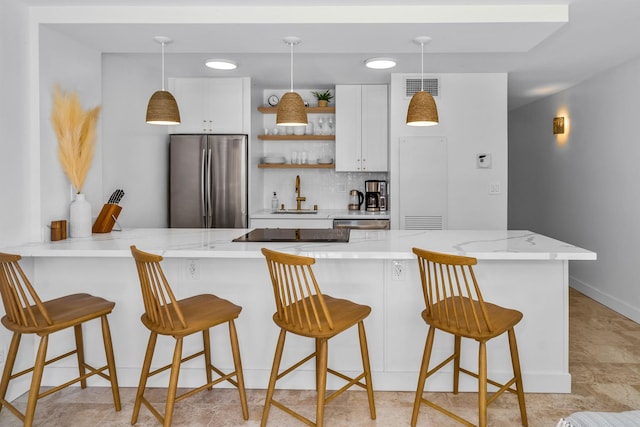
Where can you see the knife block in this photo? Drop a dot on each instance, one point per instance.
(107, 218)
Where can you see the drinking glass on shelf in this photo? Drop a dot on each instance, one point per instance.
(318, 130)
(303, 157)
(331, 126)
(294, 158)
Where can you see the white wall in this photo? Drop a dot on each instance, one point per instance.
(583, 188)
(15, 137)
(14, 129)
(472, 109)
(135, 153)
(74, 67)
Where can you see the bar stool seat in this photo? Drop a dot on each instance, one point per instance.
(198, 314)
(26, 313)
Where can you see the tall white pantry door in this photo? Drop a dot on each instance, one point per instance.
(423, 183)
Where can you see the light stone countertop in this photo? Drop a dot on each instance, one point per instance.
(363, 244)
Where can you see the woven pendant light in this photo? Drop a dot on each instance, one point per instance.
(422, 108)
(163, 108)
(291, 110)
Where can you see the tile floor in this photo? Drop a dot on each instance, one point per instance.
(604, 362)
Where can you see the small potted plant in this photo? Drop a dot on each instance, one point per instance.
(323, 97)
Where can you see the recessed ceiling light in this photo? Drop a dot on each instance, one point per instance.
(221, 64)
(380, 63)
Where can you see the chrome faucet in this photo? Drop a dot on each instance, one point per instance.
(299, 199)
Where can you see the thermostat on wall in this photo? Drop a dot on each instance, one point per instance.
(483, 161)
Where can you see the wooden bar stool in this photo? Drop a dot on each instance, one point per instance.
(454, 304)
(27, 314)
(303, 310)
(165, 315)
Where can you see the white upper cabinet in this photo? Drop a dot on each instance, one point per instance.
(212, 105)
(361, 128)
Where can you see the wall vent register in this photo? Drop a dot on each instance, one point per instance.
(431, 85)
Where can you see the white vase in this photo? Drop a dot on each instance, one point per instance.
(80, 217)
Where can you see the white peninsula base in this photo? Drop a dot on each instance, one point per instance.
(517, 269)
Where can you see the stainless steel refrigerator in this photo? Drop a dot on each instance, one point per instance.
(208, 181)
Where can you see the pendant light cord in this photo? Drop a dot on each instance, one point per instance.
(291, 46)
(422, 66)
(162, 66)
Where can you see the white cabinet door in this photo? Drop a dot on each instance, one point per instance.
(374, 128)
(291, 223)
(348, 128)
(189, 94)
(225, 106)
(209, 105)
(361, 128)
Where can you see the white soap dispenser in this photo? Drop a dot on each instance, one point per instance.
(274, 202)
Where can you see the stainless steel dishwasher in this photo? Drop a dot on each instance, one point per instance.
(362, 224)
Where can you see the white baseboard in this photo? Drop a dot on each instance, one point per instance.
(613, 303)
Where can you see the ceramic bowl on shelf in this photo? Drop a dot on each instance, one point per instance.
(273, 159)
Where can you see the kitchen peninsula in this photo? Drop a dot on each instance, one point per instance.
(517, 269)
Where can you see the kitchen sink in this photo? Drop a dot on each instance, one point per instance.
(295, 211)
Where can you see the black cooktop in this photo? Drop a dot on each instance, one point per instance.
(319, 235)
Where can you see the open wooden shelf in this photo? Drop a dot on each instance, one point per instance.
(295, 166)
(297, 137)
(310, 110)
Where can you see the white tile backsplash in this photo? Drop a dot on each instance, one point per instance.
(320, 186)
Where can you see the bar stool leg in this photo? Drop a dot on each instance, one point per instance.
(456, 363)
(515, 362)
(423, 375)
(111, 361)
(274, 376)
(318, 369)
(235, 349)
(321, 355)
(34, 391)
(144, 375)
(77, 331)
(8, 367)
(173, 382)
(206, 343)
(482, 384)
(364, 351)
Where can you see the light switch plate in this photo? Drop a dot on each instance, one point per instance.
(494, 187)
(483, 161)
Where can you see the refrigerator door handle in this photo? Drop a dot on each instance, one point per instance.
(203, 190)
(209, 222)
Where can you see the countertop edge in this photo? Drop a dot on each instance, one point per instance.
(490, 245)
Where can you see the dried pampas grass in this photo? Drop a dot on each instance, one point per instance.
(76, 132)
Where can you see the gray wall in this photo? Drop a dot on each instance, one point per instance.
(584, 190)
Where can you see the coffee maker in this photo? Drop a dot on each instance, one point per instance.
(375, 195)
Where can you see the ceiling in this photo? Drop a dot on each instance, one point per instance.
(544, 45)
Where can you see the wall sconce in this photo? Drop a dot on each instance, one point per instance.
(558, 125)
